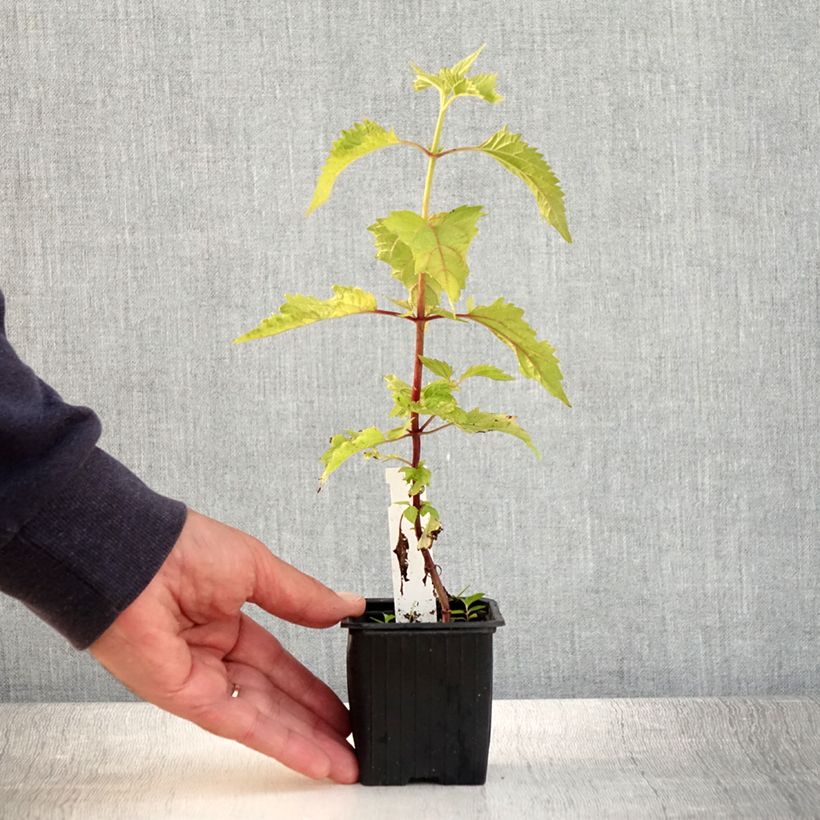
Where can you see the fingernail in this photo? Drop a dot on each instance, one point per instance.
(352, 598)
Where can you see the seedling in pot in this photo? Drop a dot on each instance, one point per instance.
(427, 254)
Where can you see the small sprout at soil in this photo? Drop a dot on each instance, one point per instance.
(386, 618)
(467, 608)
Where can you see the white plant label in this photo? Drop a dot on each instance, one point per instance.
(414, 599)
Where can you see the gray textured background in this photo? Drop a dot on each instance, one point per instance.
(155, 162)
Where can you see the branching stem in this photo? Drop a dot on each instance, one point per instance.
(426, 424)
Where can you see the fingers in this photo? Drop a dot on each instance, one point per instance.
(275, 701)
(256, 647)
(261, 718)
(284, 591)
(239, 719)
(280, 707)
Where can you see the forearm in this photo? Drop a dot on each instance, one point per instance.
(80, 535)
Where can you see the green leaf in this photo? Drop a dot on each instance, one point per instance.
(536, 358)
(401, 392)
(431, 529)
(417, 477)
(436, 398)
(454, 80)
(528, 165)
(479, 85)
(488, 371)
(437, 367)
(469, 600)
(466, 63)
(390, 249)
(411, 513)
(428, 509)
(345, 445)
(360, 139)
(438, 246)
(447, 314)
(299, 310)
(425, 79)
(479, 421)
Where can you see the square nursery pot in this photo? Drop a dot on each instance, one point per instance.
(421, 697)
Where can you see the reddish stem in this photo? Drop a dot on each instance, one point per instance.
(416, 432)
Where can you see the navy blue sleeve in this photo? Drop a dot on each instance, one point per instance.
(80, 535)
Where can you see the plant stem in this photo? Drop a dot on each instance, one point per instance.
(421, 324)
(436, 429)
(426, 424)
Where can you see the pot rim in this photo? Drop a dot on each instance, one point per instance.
(359, 624)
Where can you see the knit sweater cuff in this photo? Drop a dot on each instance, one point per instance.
(91, 549)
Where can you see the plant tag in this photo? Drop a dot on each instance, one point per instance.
(414, 599)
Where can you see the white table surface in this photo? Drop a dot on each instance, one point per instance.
(681, 757)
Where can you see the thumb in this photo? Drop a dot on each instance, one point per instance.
(284, 591)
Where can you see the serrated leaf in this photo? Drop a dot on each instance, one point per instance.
(454, 80)
(528, 165)
(437, 367)
(345, 445)
(401, 393)
(436, 398)
(536, 357)
(428, 509)
(438, 246)
(466, 63)
(417, 477)
(360, 139)
(425, 79)
(390, 249)
(299, 310)
(482, 85)
(488, 371)
(479, 421)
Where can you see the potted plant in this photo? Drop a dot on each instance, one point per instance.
(420, 665)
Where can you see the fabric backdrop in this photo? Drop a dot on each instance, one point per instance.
(156, 160)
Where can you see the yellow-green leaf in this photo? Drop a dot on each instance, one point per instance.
(360, 139)
(437, 367)
(479, 421)
(536, 357)
(488, 371)
(401, 393)
(438, 245)
(345, 445)
(299, 310)
(417, 478)
(528, 165)
(454, 80)
(466, 63)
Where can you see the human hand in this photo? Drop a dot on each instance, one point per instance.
(184, 643)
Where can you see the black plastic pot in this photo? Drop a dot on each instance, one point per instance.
(421, 697)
